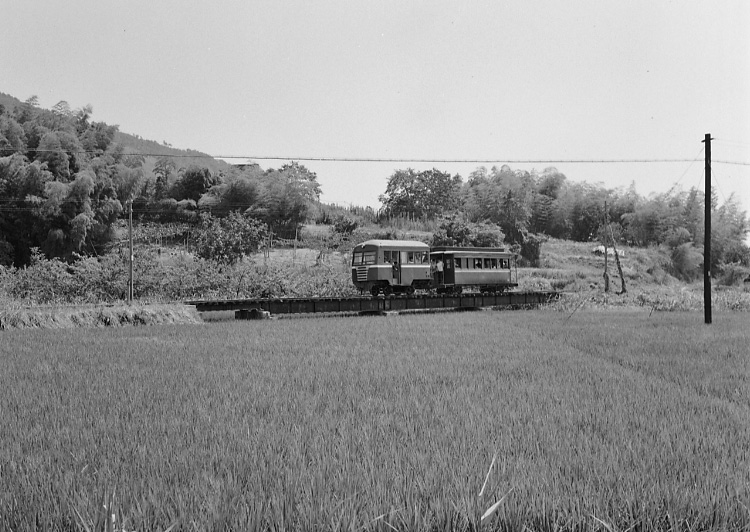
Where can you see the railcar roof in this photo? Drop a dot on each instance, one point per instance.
(398, 244)
(452, 249)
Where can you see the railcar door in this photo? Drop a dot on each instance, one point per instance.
(397, 259)
(449, 270)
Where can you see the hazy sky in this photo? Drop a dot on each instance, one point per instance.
(498, 80)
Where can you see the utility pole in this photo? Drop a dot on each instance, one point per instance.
(130, 237)
(707, 242)
(606, 248)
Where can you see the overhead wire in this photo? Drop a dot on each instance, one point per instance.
(15, 208)
(400, 160)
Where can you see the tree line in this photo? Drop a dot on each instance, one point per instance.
(526, 206)
(64, 182)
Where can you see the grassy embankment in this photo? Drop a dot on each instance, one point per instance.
(594, 421)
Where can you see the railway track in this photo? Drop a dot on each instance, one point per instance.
(250, 307)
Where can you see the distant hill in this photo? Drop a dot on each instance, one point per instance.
(151, 150)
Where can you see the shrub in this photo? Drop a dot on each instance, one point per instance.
(226, 240)
(686, 262)
(531, 248)
(733, 274)
(677, 237)
(344, 225)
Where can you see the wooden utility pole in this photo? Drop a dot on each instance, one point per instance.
(606, 249)
(130, 237)
(707, 237)
(617, 261)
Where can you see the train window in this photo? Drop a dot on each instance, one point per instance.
(477, 264)
(458, 263)
(504, 263)
(493, 264)
(410, 257)
(368, 257)
(387, 257)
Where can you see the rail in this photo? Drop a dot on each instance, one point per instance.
(377, 304)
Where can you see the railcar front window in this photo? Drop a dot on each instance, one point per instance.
(357, 259)
(368, 257)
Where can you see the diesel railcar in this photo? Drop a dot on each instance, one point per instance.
(391, 266)
(404, 266)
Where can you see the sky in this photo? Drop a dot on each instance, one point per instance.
(530, 83)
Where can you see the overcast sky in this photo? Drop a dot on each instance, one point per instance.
(497, 80)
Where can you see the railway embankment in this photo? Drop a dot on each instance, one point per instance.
(67, 317)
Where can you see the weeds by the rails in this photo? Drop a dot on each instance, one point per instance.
(376, 424)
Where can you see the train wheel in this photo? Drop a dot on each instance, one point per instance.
(410, 290)
(388, 290)
(375, 290)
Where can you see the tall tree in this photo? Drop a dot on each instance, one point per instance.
(194, 182)
(419, 194)
(163, 170)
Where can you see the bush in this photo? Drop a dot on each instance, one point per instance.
(531, 248)
(227, 240)
(733, 274)
(344, 225)
(687, 262)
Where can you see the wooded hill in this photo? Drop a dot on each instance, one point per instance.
(65, 179)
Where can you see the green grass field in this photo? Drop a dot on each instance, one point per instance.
(613, 420)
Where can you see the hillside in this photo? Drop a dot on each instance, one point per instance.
(151, 150)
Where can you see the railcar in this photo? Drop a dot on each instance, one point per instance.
(404, 266)
(391, 266)
(456, 269)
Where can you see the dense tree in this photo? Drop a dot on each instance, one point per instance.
(306, 181)
(501, 196)
(12, 136)
(421, 194)
(238, 194)
(456, 231)
(163, 170)
(283, 204)
(193, 183)
(55, 196)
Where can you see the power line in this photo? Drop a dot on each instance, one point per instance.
(399, 160)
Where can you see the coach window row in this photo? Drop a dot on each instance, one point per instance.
(412, 257)
(480, 263)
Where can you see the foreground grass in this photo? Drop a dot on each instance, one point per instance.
(613, 420)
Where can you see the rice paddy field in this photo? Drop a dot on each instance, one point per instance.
(536, 420)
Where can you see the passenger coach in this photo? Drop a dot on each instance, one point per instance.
(480, 269)
(391, 266)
